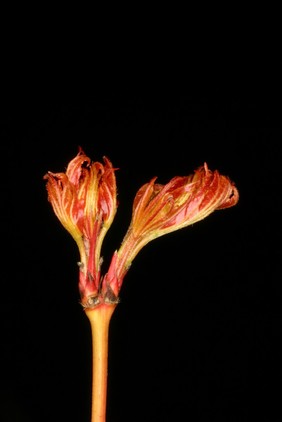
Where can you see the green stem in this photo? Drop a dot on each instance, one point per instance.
(99, 320)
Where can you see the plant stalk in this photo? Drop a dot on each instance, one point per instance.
(100, 321)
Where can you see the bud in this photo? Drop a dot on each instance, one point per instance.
(84, 200)
(161, 209)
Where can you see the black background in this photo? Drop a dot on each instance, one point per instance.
(197, 332)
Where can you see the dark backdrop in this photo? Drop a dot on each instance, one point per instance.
(198, 329)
